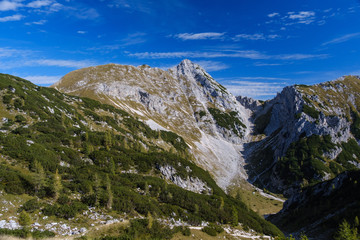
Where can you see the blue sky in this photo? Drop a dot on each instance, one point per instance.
(253, 47)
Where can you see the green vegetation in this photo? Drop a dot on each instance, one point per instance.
(69, 146)
(23, 233)
(139, 229)
(331, 201)
(304, 161)
(213, 229)
(311, 111)
(229, 120)
(355, 125)
(346, 232)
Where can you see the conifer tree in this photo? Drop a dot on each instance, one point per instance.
(39, 176)
(107, 141)
(150, 220)
(109, 193)
(97, 189)
(234, 217)
(24, 219)
(57, 185)
(221, 207)
(345, 232)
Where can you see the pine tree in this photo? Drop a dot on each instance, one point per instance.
(150, 220)
(24, 219)
(303, 237)
(112, 167)
(107, 141)
(196, 209)
(146, 188)
(234, 217)
(39, 176)
(97, 189)
(109, 193)
(221, 207)
(57, 185)
(345, 232)
(356, 222)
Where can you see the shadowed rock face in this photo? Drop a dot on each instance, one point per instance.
(294, 115)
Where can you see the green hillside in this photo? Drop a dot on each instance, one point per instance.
(69, 153)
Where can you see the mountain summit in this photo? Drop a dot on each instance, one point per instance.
(185, 99)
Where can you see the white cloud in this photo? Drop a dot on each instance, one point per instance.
(342, 39)
(39, 3)
(252, 87)
(212, 66)
(273, 14)
(301, 15)
(40, 22)
(199, 36)
(16, 17)
(43, 80)
(249, 54)
(81, 32)
(9, 5)
(235, 54)
(60, 63)
(10, 52)
(256, 36)
(87, 13)
(259, 64)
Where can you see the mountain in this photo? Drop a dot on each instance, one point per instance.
(310, 134)
(306, 135)
(70, 165)
(185, 99)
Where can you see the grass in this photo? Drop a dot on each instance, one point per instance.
(111, 230)
(198, 234)
(256, 202)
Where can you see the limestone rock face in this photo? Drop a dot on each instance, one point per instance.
(181, 100)
(298, 112)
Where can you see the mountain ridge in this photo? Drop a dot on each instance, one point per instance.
(185, 104)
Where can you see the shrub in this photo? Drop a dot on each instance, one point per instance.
(31, 205)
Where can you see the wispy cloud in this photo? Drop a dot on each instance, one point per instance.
(292, 18)
(16, 17)
(260, 64)
(252, 87)
(43, 80)
(39, 3)
(199, 36)
(131, 39)
(342, 39)
(256, 36)
(81, 32)
(274, 14)
(9, 5)
(40, 22)
(11, 52)
(60, 63)
(249, 54)
(86, 13)
(212, 66)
